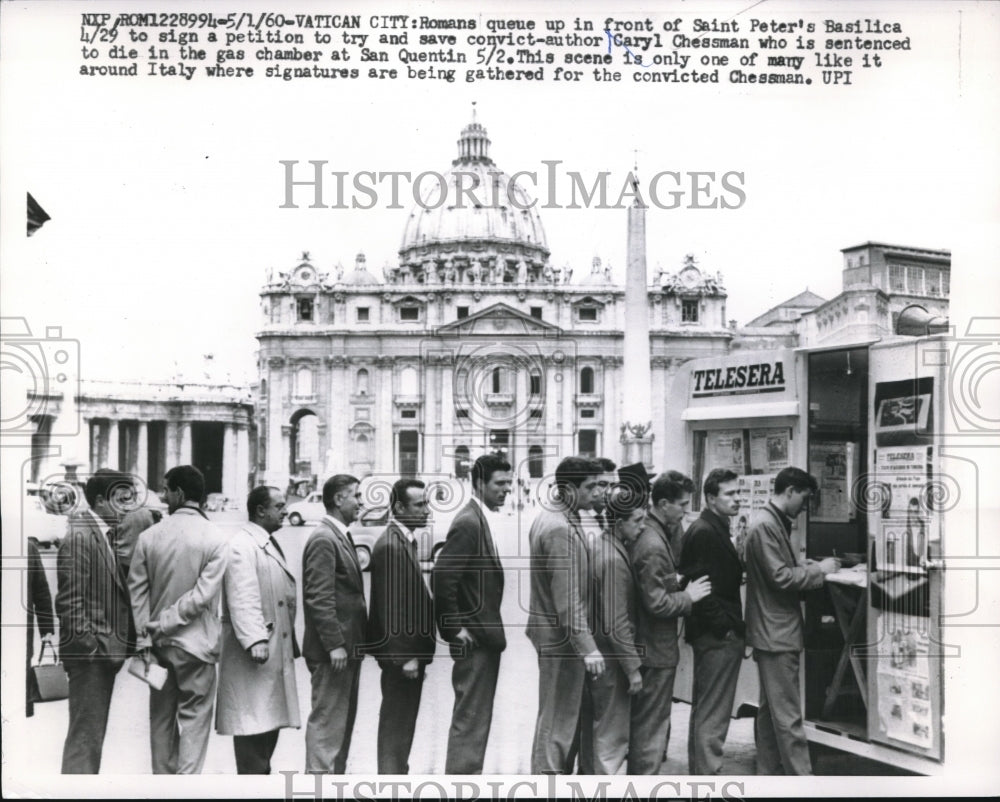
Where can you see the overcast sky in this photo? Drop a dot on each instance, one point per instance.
(165, 193)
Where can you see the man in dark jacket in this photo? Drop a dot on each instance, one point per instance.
(468, 589)
(94, 620)
(715, 627)
(775, 578)
(400, 624)
(661, 603)
(333, 606)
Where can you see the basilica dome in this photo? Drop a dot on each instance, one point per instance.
(473, 214)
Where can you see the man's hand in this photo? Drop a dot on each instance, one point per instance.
(829, 565)
(152, 629)
(464, 638)
(259, 652)
(594, 663)
(338, 659)
(634, 683)
(411, 668)
(698, 589)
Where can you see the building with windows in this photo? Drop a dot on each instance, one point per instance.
(473, 342)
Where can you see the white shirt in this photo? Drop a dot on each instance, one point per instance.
(337, 525)
(410, 534)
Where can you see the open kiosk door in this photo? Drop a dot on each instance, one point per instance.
(904, 649)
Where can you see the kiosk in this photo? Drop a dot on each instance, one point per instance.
(864, 419)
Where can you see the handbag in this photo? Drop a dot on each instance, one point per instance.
(49, 680)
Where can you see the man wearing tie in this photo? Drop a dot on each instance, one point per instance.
(94, 616)
(468, 589)
(257, 690)
(400, 624)
(333, 603)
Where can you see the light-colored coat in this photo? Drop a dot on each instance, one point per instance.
(176, 579)
(258, 604)
(775, 579)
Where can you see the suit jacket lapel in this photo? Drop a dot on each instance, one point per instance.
(404, 543)
(103, 545)
(263, 541)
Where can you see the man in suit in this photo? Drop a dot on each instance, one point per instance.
(400, 624)
(558, 617)
(94, 620)
(258, 695)
(333, 603)
(661, 603)
(715, 626)
(175, 581)
(775, 579)
(468, 588)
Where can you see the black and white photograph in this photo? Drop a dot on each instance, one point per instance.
(498, 400)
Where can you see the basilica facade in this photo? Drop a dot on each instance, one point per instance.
(474, 342)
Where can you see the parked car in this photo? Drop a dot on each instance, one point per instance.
(309, 510)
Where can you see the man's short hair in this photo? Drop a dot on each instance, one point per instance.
(622, 502)
(188, 479)
(400, 491)
(671, 485)
(605, 465)
(795, 478)
(485, 466)
(716, 477)
(259, 497)
(573, 471)
(103, 482)
(683, 479)
(333, 485)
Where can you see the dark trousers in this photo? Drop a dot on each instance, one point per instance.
(474, 678)
(253, 752)
(608, 711)
(649, 728)
(781, 742)
(90, 686)
(560, 696)
(717, 664)
(180, 713)
(397, 718)
(331, 720)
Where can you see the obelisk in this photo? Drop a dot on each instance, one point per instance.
(637, 435)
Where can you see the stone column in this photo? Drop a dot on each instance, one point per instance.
(142, 452)
(612, 398)
(95, 444)
(173, 444)
(429, 413)
(447, 438)
(383, 422)
(184, 445)
(519, 429)
(242, 460)
(112, 461)
(229, 488)
(553, 429)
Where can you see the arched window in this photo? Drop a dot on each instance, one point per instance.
(535, 383)
(303, 381)
(587, 380)
(361, 382)
(536, 463)
(497, 379)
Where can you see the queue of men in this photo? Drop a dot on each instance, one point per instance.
(612, 574)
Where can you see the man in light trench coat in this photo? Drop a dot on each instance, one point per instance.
(257, 692)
